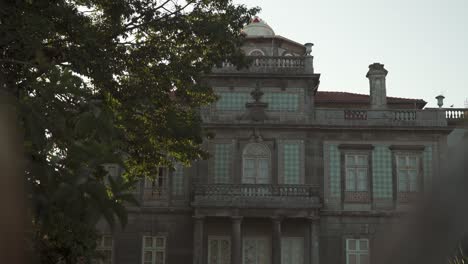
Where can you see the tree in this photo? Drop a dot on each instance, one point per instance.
(107, 81)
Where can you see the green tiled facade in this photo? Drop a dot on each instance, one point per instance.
(335, 171)
(222, 160)
(291, 157)
(229, 101)
(277, 101)
(382, 172)
(288, 102)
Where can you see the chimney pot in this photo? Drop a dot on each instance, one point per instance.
(378, 91)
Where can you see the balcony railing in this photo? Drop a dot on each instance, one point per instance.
(256, 195)
(384, 117)
(272, 64)
(347, 117)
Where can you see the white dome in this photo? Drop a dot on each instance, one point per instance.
(258, 27)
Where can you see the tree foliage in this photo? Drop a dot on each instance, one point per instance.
(107, 81)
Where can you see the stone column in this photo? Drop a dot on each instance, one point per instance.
(236, 243)
(198, 247)
(314, 240)
(276, 240)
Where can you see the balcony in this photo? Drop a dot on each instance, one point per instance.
(347, 117)
(256, 196)
(272, 65)
(385, 117)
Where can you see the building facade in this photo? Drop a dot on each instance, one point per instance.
(296, 175)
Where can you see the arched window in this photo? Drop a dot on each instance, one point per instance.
(256, 52)
(256, 164)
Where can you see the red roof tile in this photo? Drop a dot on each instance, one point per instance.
(354, 98)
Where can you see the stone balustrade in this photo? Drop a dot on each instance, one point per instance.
(384, 117)
(272, 64)
(346, 117)
(256, 195)
(456, 113)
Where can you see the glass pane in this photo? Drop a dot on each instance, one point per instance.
(107, 254)
(402, 181)
(159, 257)
(350, 180)
(249, 252)
(261, 251)
(213, 250)
(107, 241)
(351, 243)
(352, 259)
(413, 180)
(350, 160)
(225, 252)
(362, 160)
(263, 171)
(412, 162)
(362, 180)
(363, 244)
(364, 259)
(148, 242)
(401, 161)
(285, 251)
(160, 242)
(148, 256)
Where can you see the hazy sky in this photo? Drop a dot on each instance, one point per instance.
(423, 43)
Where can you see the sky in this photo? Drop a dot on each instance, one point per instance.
(422, 43)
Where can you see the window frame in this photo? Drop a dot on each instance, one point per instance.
(218, 238)
(101, 247)
(154, 249)
(175, 188)
(356, 168)
(257, 160)
(348, 196)
(257, 239)
(302, 240)
(407, 168)
(409, 150)
(357, 251)
(159, 190)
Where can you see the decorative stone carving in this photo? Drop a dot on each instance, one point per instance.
(256, 109)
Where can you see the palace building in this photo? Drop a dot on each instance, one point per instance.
(297, 175)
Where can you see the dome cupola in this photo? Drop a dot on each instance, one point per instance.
(258, 27)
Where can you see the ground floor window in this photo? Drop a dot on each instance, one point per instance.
(219, 250)
(292, 250)
(357, 251)
(256, 251)
(104, 249)
(154, 250)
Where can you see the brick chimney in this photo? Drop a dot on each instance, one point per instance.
(378, 91)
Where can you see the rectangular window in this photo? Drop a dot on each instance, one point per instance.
(178, 180)
(255, 251)
(292, 250)
(104, 249)
(288, 102)
(154, 250)
(232, 101)
(219, 250)
(357, 251)
(407, 172)
(292, 164)
(157, 186)
(356, 168)
(222, 161)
